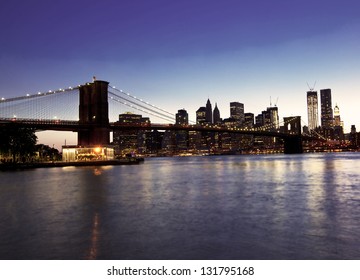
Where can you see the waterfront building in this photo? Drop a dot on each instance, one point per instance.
(312, 109)
(237, 112)
(130, 140)
(327, 119)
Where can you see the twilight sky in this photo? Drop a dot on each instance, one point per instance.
(176, 54)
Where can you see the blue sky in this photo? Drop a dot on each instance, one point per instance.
(176, 54)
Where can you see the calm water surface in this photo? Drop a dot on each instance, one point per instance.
(228, 207)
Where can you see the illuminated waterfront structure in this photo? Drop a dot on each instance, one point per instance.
(312, 109)
(130, 140)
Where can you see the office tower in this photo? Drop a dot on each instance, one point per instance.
(216, 115)
(209, 112)
(182, 136)
(337, 119)
(130, 140)
(312, 108)
(273, 117)
(201, 115)
(326, 108)
(259, 120)
(182, 117)
(249, 120)
(237, 112)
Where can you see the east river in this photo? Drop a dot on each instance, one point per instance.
(213, 207)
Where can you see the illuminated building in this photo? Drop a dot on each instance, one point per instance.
(326, 108)
(237, 112)
(182, 136)
(338, 125)
(130, 140)
(182, 117)
(249, 120)
(201, 115)
(312, 108)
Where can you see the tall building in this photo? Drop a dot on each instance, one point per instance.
(216, 115)
(312, 108)
(338, 125)
(209, 112)
(182, 136)
(337, 119)
(249, 120)
(182, 117)
(237, 112)
(274, 117)
(130, 140)
(201, 115)
(326, 108)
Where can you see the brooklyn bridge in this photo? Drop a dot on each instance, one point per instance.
(91, 110)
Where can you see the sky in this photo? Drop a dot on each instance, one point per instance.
(177, 54)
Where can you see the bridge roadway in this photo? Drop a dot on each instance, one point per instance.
(75, 126)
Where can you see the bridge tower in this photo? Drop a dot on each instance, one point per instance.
(94, 136)
(293, 143)
(93, 111)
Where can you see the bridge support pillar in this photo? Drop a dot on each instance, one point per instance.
(293, 145)
(93, 111)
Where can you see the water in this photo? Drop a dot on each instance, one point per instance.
(227, 207)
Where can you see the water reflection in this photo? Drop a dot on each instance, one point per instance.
(95, 236)
(236, 207)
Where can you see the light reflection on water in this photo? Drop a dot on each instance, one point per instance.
(235, 207)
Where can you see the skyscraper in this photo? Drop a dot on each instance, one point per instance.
(312, 108)
(216, 115)
(274, 117)
(182, 117)
(182, 136)
(337, 119)
(237, 112)
(327, 119)
(209, 112)
(201, 115)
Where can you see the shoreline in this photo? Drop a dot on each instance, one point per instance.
(22, 166)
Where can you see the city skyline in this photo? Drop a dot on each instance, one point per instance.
(176, 55)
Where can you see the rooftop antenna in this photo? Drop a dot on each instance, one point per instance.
(311, 88)
(277, 99)
(270, 101)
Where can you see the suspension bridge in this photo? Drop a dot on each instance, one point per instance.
(92, 111)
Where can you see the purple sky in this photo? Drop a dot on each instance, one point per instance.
(176, 54)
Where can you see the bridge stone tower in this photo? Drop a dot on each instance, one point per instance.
(94, 113)
(293, 143)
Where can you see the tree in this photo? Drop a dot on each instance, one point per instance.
(19, 142)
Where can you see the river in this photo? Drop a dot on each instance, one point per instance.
(213, 207)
